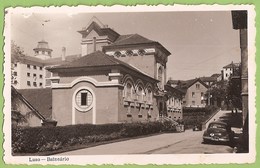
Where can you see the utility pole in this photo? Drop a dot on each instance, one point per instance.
(43, 24)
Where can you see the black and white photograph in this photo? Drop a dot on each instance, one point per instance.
(130, 85)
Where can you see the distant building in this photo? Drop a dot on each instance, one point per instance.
(209, 80)
(27, 72)
(229, 70)
(30, 72)
(195, 92)
(174, 102)
(218, 77)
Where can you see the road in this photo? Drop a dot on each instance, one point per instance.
(167, 143)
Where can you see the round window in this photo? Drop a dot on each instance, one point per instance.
(117, 54)
(84, 99)
(129, 53)
(141, 52)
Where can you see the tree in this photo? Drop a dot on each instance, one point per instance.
(16, 51)
(218, 93)
(229, 91)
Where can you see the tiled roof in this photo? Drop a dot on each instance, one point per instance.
(215, 75)
(174, 89)
(58, 60)
(40, 62)
(40, 99)
(131, 39)
(174, 82)
(232, 65)
(184, 85)
(28, 60)
(102, 31)
(96, 59)
(208, 79)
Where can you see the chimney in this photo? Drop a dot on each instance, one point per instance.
(63, 56)
(94, 44)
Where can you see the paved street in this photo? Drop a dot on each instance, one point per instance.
(167, 143)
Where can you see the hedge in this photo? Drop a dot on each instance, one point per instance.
(192, 116)
(39, 139)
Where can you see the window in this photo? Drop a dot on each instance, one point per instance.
(140, 93)
(193, 102)
(28, 66)
(117, 54)
(128, 90)
(15, 65)
(129, 53)
(197, 86)
(84, 99)
(40, 84)
(184, 102)
(34, 75)
(160, 74)
(141, 52)
(202, 102)
(35, 84)
(149, 95)
(28, 74)
(41, 76)
(40, 68)
(202, 94)
(34, 67)
(28, 83)
(15, 73)
(193, 94)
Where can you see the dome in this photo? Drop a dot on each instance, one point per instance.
(43, 44)
(42, 50)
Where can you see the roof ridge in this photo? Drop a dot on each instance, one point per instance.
(130, 35)
(111, 58)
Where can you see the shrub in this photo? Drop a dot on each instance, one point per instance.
(38, 139)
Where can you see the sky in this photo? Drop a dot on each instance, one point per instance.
(200, 42)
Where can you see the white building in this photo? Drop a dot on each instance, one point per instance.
(30, 73)
(228, 70)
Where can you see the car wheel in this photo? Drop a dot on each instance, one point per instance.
(205, 141)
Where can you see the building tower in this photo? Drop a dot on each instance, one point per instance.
(96, 35)
(42, 50)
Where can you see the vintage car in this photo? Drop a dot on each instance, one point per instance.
(218, 131)
(197, 127)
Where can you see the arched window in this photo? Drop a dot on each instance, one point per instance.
(140, 93)
(149, 95)
(128, 90)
